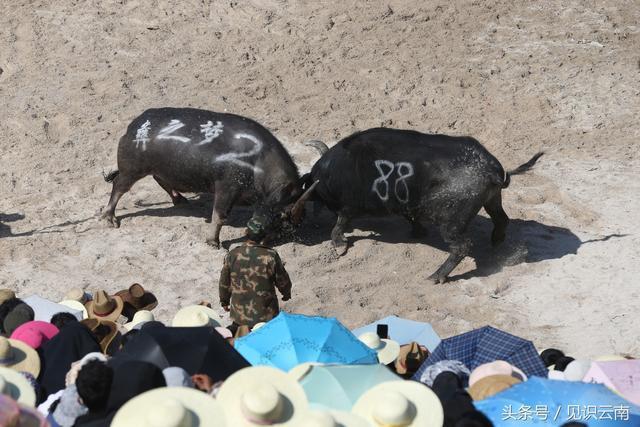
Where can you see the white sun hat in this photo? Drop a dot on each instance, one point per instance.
(141, 316)
(19, 356)
(196, 315)
(76, 306)
(171, 407)
(400, 404)
(262, 395)
(388, 350)
(317, 418)
(17, 387)
(258, 326)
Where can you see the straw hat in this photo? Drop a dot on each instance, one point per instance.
(333, 419)
(499, 367)
(258, 326)
(6, 294)
(105, 307)
(19, 356)
(78, 295)
(137, 298)
(76, 306)
(105, 332)
(261, 395)
(16, 386)
(196, 315)
(35, 333)
(414, 354)
(400, 404)
(490, 385)
(171, 407)
(388, 350)
(140, 317)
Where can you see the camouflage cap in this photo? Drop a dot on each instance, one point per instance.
(256, 224)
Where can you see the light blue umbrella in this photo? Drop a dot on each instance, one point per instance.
(291, 339)
(338, 387)
(539, 401)
(404, 331)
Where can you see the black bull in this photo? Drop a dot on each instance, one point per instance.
(439, 179)
(189, 150)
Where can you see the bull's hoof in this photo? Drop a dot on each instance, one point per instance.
(111, 220)
(340, 248)
(213, 243)
(437, 279)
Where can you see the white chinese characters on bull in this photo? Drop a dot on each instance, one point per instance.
(166, 132)
(400, 188)
(142, 136)
(236, 158)
(210, 131)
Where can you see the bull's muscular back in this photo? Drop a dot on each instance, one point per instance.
(383, 170)
(192, 149)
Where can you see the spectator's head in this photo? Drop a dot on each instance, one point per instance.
(93, 384)
(255, 229)
(6, 307)
(20, 314)
(62, 319)
(550, 356)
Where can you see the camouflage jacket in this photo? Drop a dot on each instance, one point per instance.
(248, 281)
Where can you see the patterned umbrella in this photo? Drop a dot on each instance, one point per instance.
(291, 339)
(539, 401)
(486, 345)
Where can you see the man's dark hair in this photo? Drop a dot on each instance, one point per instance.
(62, 319)
(93, 384)
(6, 307)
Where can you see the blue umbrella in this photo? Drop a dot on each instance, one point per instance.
(404, 331)
(540, 401)
(291, 339)
(486, 345)
(338, 387)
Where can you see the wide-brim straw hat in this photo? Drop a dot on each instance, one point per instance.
(16, 386)
(315, 418)
(498, 367)
(138, 297)
(196, 315)
(141, 316)
(17, 355)
(258, 326)
(105, 306)
(261, 395)
(400, 404)
(493, 384)
(104, 330)
(172, 407)
(387, 350)
(413, 352)
(76, 306)
(78, 295)
(6, 294)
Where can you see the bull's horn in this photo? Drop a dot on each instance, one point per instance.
(298, 207)
(318, 145)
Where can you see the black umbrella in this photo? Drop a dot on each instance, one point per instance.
(196, 350)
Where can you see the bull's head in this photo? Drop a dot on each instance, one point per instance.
(283, 220)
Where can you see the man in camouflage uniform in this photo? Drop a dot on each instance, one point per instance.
(249, 278)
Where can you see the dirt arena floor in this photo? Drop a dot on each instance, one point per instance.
(520, 76)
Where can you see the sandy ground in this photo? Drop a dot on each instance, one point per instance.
(518, 75)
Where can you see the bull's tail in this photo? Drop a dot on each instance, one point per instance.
(525, 167)
(318, 145)
(111, 175)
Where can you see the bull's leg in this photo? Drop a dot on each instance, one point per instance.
(337, 234)
(121, 184)
(459, 247)
(222, 204)
(176, 198)
(499, 218)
